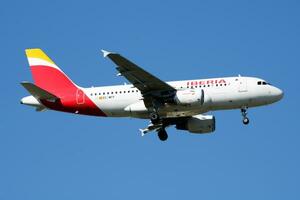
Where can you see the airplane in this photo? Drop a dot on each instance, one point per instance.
(182, 104)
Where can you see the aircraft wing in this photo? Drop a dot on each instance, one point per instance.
(148, 84)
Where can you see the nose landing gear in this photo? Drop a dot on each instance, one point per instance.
(244, 114)
(246, 120)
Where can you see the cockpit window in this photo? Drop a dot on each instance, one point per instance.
(262, 83)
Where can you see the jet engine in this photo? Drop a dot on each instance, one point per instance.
(198, 124)
(189, 96)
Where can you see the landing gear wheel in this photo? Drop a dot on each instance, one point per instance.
(246, 120)
(162, 135)
(244, 114)
(154, 117)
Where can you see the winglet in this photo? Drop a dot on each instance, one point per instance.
(105, 53)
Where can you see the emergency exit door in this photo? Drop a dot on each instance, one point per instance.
(80, 96)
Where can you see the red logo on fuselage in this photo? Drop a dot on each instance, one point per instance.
(206, 82)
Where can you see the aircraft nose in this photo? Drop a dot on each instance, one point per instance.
(277, 93)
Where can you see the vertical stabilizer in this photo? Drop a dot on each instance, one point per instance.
(46, 74)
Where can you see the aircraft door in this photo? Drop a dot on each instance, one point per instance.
(243, 84)
(80, 96)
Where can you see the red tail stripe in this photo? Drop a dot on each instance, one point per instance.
(57, 83)
(51, 79)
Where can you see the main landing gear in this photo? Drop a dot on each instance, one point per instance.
(244, 114)
(154, 117)
(162, 134)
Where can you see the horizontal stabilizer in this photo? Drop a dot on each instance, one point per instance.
(40, 109)
(38, 92)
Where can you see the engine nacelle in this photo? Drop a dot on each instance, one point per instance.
(198, 124)
(136, 107)
(189, 96)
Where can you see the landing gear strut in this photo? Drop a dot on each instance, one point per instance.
(162, 134)
(244, 114)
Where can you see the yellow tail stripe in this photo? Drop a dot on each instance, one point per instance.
(38, 53)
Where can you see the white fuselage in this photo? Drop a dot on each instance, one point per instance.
(178, 103)
(220, 93)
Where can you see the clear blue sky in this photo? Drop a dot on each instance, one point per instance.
(53, 155)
